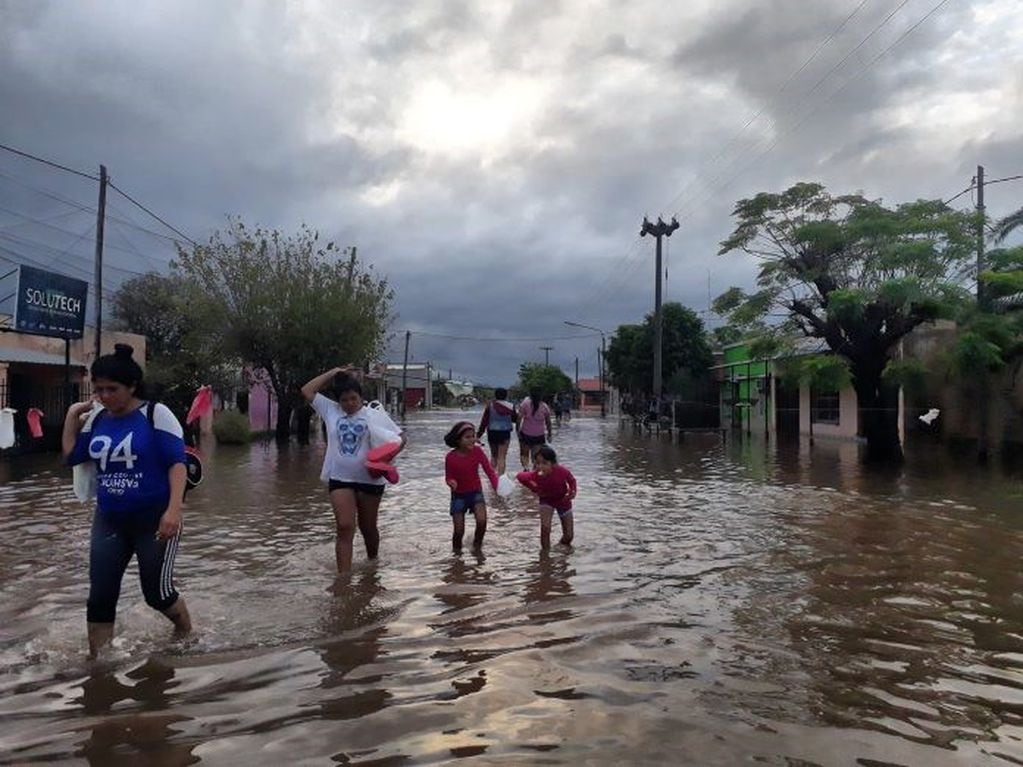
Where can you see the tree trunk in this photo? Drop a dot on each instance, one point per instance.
(303, 417)
(879, 417)
(285, 406)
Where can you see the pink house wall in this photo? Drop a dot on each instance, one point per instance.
(262, 407)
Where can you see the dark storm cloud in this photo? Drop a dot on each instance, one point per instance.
(306, 112)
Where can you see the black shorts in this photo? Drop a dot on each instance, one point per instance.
(528, 441)
(359, 487)
(498, 437)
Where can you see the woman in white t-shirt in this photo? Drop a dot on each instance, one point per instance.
(352, 429)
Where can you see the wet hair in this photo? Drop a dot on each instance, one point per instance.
(501, 393)
(452, 437)
(344, 383)
(120, 367)
(547, 453)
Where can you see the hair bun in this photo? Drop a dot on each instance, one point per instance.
(123, 350)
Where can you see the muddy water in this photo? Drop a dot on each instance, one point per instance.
(724, 604)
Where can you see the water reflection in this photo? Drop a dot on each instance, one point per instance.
(127, 739)
(354, 627)
(549, 577)
(724, 603)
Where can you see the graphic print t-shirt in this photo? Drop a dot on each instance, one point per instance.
(350, 437)
(132, 457)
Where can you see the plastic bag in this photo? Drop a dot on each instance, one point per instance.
(505, 486)
(83, 481)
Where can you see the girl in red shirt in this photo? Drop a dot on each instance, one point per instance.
(461, 472)
(556, 487)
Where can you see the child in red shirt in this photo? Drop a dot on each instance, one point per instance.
(461, 472)
(556, 487)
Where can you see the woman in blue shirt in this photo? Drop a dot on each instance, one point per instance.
(139, 455)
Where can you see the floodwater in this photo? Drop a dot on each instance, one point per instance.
(725, 603)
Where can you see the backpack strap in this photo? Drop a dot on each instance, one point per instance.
(150, 410)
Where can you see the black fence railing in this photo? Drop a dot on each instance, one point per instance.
(52, 400)
(698, 408)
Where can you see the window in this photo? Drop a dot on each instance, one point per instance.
(824, 407)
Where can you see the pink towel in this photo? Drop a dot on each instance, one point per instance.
(34, 417)
(201, 405)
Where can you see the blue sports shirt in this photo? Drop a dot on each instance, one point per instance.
(132, 457)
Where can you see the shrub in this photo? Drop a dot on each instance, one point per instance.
(231, 428)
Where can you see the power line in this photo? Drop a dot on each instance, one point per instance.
(796, 126)
(29, 220)
(617, 276)
(42, 246)
(38, 222)
(84, 208)
(48, 162)
(495, 340)
(771, 102)
(121, 192)
(1007, 178)
(804, 101)
(156, 266)
(142, 207)
(47, 193)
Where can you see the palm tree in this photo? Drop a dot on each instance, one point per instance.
(1005, 227)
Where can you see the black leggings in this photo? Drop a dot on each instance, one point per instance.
(115, 537)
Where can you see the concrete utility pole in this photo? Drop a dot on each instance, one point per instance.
(404, 372)
(546, 354)
(981, 293)
(100, 220)
(658, 230)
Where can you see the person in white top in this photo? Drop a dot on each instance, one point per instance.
(352, 429)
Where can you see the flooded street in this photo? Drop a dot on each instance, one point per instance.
(723, 604)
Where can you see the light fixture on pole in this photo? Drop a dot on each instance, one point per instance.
(603, 352)
(658, 230)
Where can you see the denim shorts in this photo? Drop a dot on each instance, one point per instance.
(462, 503)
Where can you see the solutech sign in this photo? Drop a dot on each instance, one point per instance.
(50, 304)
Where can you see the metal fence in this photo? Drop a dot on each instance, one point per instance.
(52, 399)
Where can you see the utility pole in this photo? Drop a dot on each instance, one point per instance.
(98, 279)
(603, 388)
(982, 441)
(981, 293)
(404, 372)
(577, 374)
(658, 230)
(600, 360)
(546, 355)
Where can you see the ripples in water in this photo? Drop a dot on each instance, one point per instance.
(724, 603)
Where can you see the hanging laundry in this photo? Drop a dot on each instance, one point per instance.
(34, 416)
(7, 427)
(201, 405)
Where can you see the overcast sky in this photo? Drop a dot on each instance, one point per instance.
(494, 160)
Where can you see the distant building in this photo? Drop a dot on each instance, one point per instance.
(417, 378)
(32, 375)
(754, 399)
(590, 395)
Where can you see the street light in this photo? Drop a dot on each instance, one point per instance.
(603, 351)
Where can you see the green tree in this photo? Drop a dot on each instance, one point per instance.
(854, 273)
(184, 349)
(685, 353)
(990, 339)
(1007, 225)
(547, 379)
(290, 306)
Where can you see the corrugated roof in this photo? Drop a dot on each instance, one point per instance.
(33, 357)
